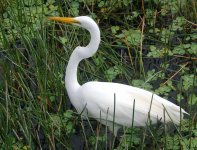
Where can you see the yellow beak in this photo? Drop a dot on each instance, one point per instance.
(68, 20)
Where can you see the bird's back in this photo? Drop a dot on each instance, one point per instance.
(116, 102)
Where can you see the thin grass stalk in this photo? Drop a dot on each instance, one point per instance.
(84, 134)
(190, 122)
(106, 143)
(165, 134)
(141, 44)
(114, 114)
(7, 107)
(132, 125)
(144, 134)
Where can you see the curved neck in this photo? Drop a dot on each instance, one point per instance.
(94, 40)
(71, 81)
(79, 54)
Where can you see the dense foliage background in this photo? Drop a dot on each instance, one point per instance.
(145, 43)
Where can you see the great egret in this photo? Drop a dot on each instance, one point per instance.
(112, 104)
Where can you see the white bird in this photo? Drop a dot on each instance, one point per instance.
(113, 104)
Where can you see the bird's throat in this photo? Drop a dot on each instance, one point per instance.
(71, 81)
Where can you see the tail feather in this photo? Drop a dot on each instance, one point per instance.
(174, 114)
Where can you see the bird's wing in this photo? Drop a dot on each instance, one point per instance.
(100, 99)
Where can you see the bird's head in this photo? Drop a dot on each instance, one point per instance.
(89, 24)
(81, 21)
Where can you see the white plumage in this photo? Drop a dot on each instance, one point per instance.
(98, 99)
